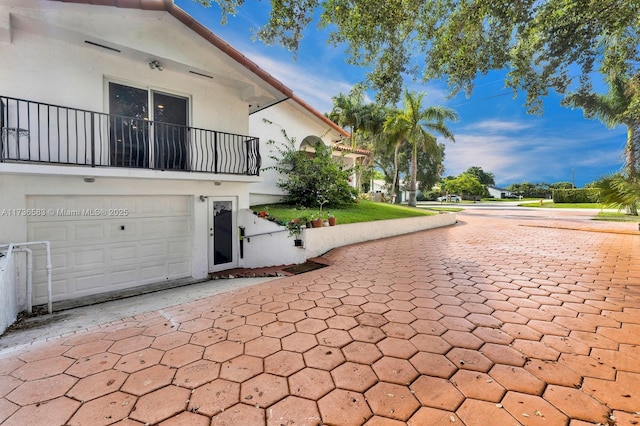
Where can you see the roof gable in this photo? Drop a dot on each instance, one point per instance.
(191, 23)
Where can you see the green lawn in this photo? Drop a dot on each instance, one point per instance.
(616, 217)
(444, 209)
(552, 205)
(364, 211)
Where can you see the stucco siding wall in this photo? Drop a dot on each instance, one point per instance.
(16, 189)
(52, 70)
(298, 124)
(8, 299)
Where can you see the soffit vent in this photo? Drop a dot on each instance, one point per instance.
(200, 74)
(113, 49)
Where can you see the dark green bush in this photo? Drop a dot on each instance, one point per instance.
(583, 195)
(428, 195)
(313, 179)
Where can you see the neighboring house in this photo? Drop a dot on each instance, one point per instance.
(499, 192)
(306, 126)
(126, 143)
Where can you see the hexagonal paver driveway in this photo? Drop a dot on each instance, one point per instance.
(496, 320)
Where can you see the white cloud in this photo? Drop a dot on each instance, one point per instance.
(312, 85)
(499, 126)
(495, 154)
(517, 151)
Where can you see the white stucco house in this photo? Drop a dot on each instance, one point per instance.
(132, 141)
(500, 193)
(306, 126)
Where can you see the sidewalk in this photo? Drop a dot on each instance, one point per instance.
(495, 321)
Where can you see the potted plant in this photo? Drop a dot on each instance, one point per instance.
(295, 229)
(332, 219)
(305, 219)
(316, 221)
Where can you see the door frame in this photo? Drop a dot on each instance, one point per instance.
(150, 89)
(233, 232)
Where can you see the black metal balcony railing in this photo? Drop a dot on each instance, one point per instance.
(36, 132)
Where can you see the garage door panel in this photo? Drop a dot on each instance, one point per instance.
(178, 246)
(45, 232)
(91, 255)
(176, 227)
(90, 258)
(59, 289)
(124, 278)
(151, 226)
(88, 283)
(59, 258)
(151, 250)
(152, 274)
(115, 231)
(91, 231)
(123, 254)
(178, 269)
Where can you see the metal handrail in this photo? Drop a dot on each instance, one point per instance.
(37, 132)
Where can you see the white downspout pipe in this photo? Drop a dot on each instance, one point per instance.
(48, 266)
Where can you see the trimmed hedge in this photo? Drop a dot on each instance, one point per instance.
(583, 195)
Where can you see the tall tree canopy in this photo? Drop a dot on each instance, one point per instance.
(349, 111)
(543, 43)
(485, 178)
(413, 125)
(621, 105)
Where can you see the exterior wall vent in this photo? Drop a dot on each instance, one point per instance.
(113, 49)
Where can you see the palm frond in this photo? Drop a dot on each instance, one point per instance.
(618, 192)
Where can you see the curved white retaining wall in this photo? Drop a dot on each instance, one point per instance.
(318, 241)
(275, 247)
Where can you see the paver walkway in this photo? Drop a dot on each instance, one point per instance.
(494, 321)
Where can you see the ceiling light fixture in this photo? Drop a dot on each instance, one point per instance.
(156, 65)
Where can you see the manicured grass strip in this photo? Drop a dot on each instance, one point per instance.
(364, 211)
(444, 209)
(616, 217)
(552, 205)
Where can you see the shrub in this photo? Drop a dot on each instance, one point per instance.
(428, 195)
(314, 180)
(583, 195)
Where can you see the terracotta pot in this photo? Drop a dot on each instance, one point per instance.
(332, 221)
(316, 223)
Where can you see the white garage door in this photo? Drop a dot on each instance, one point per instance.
(107, 243)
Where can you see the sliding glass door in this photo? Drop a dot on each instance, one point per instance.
(147, 128)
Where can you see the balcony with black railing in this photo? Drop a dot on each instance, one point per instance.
(35, 132)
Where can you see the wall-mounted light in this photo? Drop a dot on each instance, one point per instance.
(156, 65)
(203, 198)
(89, 179)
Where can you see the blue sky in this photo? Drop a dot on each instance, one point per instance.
(494, 131)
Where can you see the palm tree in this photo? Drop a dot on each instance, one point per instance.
(395, 130)
(617, 191)
(412, 125)
(348, 111)
(372, 125)
(621, 105)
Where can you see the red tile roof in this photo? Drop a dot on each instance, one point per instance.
(345, 148)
